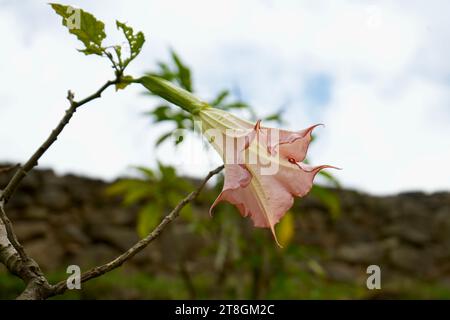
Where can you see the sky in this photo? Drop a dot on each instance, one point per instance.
(376, 73)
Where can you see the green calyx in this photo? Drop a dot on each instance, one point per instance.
(166, 90)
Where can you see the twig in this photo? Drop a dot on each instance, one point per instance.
(15, 258)
(19, 263)
(9, 168)
(10, 233)
(33, 161)
(61, 287)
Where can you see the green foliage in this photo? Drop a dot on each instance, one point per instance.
(293, 283)
(183, 73)
(84, 26)
(135, 42)
(328, 198)
(91, 32)
(286, 229)
(156, 193)
(179, 73)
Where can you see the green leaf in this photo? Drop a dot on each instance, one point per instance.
(329, 199)
(131, 190)
(163, 138)
(273, 117)
(161, 113)
(148, 218)
(184, 73)
(125, 81)
(148, 173)
(122, 186)
(135, 41)
(286, 229)
(331, 178)
(234, 105)
(135, 195)
(84, 26)
(165, 72)
(168, 173)
(220, 98)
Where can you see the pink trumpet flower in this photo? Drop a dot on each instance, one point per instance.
(263, 166)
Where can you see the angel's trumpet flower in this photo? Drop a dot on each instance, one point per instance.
(263, 166)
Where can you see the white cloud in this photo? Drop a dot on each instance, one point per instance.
(387, 119)
(386, 143)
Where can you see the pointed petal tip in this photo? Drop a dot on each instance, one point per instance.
(211, 212)
(318, 125)
(258, 125)
(278, 244)
(307, 168)
(326, 166)
(272, 228)
(218, 199)
(310, 129)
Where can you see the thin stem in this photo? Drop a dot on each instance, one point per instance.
(10, 233)
(9, 168)
(33, 160)
(116, 67)
(61, 287)
(167, 90)
(16, 260)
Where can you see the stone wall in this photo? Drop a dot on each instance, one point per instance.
(64, 220)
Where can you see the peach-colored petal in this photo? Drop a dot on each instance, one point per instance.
(236, 176)
(263, 195)
(290, 144)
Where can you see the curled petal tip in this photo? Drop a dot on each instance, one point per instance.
(275, 237)
(278, 244)
(219, 199)
(310, 129)
(263, 198)
(308, 168)
(318, 125)
(325, 166)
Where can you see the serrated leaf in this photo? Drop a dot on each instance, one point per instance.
(89, 30)
(135, 41)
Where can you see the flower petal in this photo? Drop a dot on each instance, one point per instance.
(236, 177)
(264, 189)
(290, 144)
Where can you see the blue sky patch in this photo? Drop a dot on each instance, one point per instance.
(317, 90)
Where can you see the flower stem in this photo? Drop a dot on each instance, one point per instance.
(166, 90)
